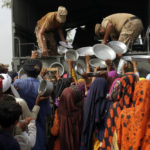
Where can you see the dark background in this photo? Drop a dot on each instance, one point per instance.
(25, 14)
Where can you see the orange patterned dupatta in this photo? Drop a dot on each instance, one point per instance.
(124, 100)
(133, 126)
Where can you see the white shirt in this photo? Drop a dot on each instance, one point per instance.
(27, 139)
(25, 109)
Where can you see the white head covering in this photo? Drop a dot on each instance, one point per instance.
(6, 82)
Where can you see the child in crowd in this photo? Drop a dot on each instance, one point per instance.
(10, 112)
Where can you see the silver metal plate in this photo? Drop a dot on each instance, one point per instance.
(71, 54)
(79, 69)
(59, 66)
(45, 88)
(118, 47)
(141, 58)
(84, 51)
(104, 52)
(22, 74)
(61, 50)
(67, 45)
(95, 62)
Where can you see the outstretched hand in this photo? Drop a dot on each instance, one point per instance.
(103, 42)
(40, 98)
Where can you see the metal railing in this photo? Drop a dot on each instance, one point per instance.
(19, 46)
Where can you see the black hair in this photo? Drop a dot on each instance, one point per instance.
(2, 70)
(32, 67)
(8, 97)
(10, 111)
(12, 74)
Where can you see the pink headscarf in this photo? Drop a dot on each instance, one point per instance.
(112, 74)
(111, 89)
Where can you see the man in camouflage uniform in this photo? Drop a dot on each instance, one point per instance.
(123, 27)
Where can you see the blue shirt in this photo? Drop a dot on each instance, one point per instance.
(28, 90)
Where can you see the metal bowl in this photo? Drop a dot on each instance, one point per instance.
(45, 88)
(22, 74)
(79, 69)
(104, 52)
(61, 50)
(84, 51)
(95, 62)
(59, 66)
(71, 54)
(118, 47)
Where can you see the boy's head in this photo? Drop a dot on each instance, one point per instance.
(10, 111)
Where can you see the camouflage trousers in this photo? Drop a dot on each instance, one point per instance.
(48, 39)
(130, 31)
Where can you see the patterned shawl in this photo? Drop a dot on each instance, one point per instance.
(133, 125)
(124, 100)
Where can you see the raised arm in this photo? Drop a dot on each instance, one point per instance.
(108, 30)
(61, 35)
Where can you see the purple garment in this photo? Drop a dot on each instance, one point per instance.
(57, 101)
(95, 113)
(7, 141)
(81, 87)
(112, 74)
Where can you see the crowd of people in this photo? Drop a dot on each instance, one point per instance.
(109, 111)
